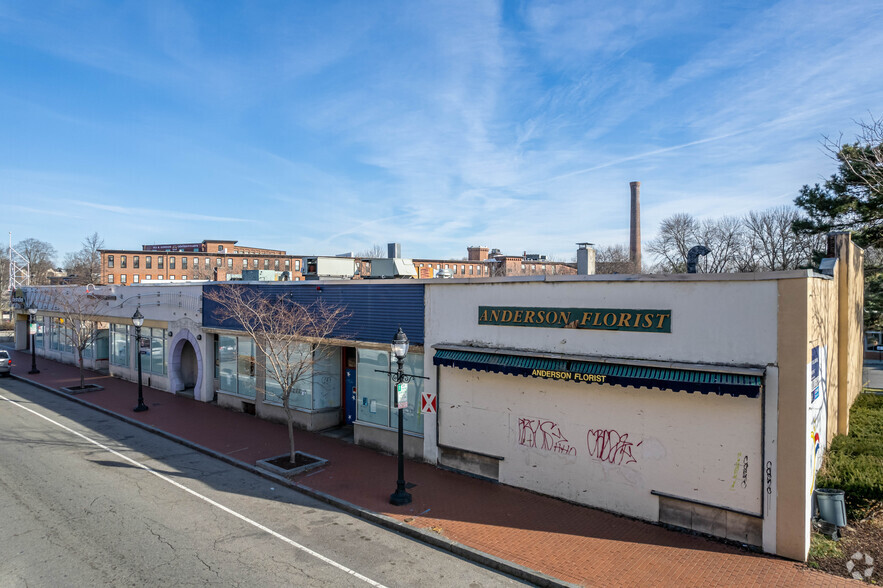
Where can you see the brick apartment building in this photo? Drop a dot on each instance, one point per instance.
(208, 260)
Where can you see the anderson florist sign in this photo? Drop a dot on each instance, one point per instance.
(606, 319)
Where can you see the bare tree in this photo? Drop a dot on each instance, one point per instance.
(772, 243)
(726, 238)
(40, 256)
(79, 312)
(375, 252)
(677, 234)
(288, 335)
(85, 265)
(613, 259)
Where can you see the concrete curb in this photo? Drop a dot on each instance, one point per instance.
(469, 553)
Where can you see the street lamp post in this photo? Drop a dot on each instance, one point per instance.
(400, 350)
(32, 327)
(138, 321)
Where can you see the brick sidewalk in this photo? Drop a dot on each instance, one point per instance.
(572, 543)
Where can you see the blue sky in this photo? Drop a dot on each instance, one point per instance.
(326, 127)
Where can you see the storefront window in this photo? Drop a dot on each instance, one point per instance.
(246, 365)
(302, 393)
(375, 402)
(326, 379)
(236, 364)
(372, 404)
(226, 360)
(119, 345)
(38, 338)
(413, 418)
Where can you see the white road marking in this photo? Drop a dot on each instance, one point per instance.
(241, 517)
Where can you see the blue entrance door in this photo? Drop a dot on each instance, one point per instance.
(349, 390)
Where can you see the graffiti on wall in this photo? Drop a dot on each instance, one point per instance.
(769, 485)
(610, 446)
(543, 434)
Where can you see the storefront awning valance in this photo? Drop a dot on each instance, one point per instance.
(615, 374)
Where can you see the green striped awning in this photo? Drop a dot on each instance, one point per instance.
(616, 374)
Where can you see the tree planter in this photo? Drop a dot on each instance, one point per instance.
(282, 465)
(81, 389)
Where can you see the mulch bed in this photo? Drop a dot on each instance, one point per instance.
(860, 541)
(285, 462)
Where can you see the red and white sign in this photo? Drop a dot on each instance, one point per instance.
(427, 403)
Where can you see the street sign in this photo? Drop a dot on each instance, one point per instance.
(401, 396)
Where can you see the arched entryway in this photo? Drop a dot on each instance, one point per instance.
(185, 365)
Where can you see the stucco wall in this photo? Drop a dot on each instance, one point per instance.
(608, 446)
(738, 315)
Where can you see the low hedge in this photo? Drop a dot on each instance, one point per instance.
(854, 463)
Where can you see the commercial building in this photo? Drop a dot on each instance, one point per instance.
(703, 401)
(206, 260)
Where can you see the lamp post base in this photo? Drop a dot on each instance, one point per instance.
(141, 407)
(34, 372)
(400, 497)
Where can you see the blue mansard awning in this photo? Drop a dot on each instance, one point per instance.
(615, 372)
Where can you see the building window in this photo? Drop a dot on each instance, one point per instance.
(218, 261)
(136, 261)
(254, 263)
(208, 262)
(320, 388)
(122, 278)
(276, 264)
(153, 350)
(244, 263)
(455, 269)
(195, 263)
(236, 365)
(171, 263)
(375, 401)
(220, 248)
(119, 345)
(183, 263)
(110, 261)
(471, 270)
(230, 263)
(148, 262)
(446, 266)
(135, 278)
(287, 264)
(122, 261)
(160, 262)
(110, 278)
(266, 264)
(184, 277)
(159, 277)
(38, 336)
(148, 277)
(297, 265)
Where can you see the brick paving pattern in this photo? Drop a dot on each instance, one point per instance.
(572, 543)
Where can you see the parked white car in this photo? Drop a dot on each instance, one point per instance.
(5, 363)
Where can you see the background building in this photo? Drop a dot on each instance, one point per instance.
(207, 260)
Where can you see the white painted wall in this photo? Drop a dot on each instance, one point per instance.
(692, 446)
(738, 317)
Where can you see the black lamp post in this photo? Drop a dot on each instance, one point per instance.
(138, 321)
(32, 327)
(400, 350)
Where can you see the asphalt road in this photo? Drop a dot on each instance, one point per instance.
(86, 500)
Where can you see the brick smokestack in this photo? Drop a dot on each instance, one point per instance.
(635, 237)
